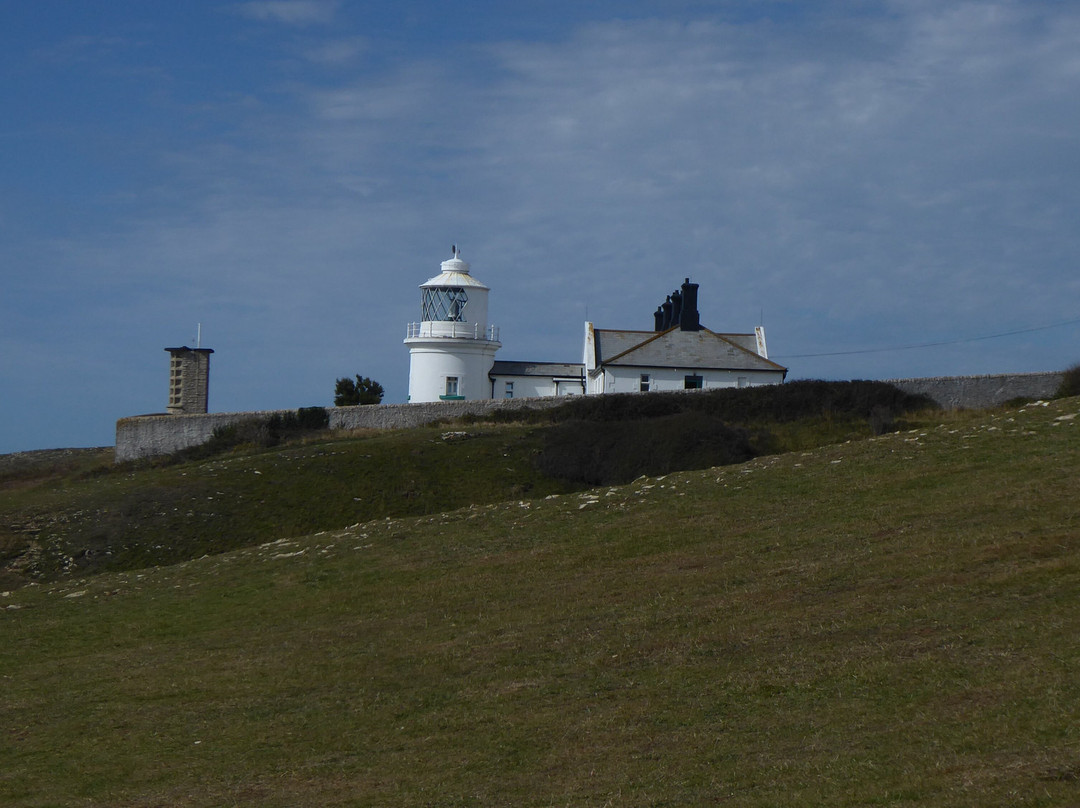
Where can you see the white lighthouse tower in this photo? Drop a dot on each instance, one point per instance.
(452, 349)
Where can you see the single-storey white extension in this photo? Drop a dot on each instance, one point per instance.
(536, 379)
(679, 354)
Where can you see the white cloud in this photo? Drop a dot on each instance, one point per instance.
(895, 179)
(873, 181)
(290, 12)
(337, 52)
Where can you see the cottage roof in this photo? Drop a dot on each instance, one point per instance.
(548, 369)
(682, 349)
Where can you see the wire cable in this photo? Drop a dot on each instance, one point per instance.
(930, 344)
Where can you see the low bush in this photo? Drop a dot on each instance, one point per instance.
(248, 432)
(282, 427)
(258, 432)
(782, 403)
(601, 440)
(1070, 383)
(613, 452)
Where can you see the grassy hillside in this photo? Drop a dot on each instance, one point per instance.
(98, 517)
(884, 622)
(71, 512)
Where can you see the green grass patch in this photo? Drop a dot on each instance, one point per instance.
(145, 514)
(68, 513)
(883, 622)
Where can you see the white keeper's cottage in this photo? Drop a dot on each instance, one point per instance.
(678, 354)
(452, 351)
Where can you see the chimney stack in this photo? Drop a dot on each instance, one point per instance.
(680, 309)
(676, 307)
(689, 319)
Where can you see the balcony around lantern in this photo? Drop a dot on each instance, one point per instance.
(450, 330)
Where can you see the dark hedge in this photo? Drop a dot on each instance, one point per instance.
(258, 431)
(612, 452)
(1070, 383)
(781, 403)
(611, 439)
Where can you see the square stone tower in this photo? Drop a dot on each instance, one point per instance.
(189, 379)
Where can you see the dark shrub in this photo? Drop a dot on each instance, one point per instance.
(248, 432)
(781, 403)
(349, 393)
(251, 431)
(278, 426)
(1070, 383)
(283, 426)
(617, 451)
(882, 420)
(312, 419)
(261, 432)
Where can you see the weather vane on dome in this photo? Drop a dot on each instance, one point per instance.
(454, 249)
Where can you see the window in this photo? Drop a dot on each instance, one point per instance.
(693, 383)
(175, 382)
(743, 381)
(644, 386)
(509, 390)
(444, 304)
(451, 386)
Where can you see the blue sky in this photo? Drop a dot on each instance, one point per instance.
(861, 177)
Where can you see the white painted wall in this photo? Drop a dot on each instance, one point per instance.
(524, 386)
(628, 380)
(536, 386)
(431, 361)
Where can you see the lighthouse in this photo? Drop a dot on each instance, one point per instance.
(452, 348)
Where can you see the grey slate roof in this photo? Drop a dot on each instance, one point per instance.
(507, 368)
(675, 348)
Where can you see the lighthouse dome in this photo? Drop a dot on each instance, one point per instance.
(455, 272)
(454, 296)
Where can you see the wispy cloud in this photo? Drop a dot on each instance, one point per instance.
(860, 178)
(893, 178)
(290, 12)
(82, 49)
(337, 52)
(784, 173)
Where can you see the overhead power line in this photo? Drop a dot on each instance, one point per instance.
(931, 344)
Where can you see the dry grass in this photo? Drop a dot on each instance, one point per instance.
(888, 622)
(64, 521)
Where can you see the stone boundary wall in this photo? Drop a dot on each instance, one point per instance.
(151, 435)
(979, 392)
